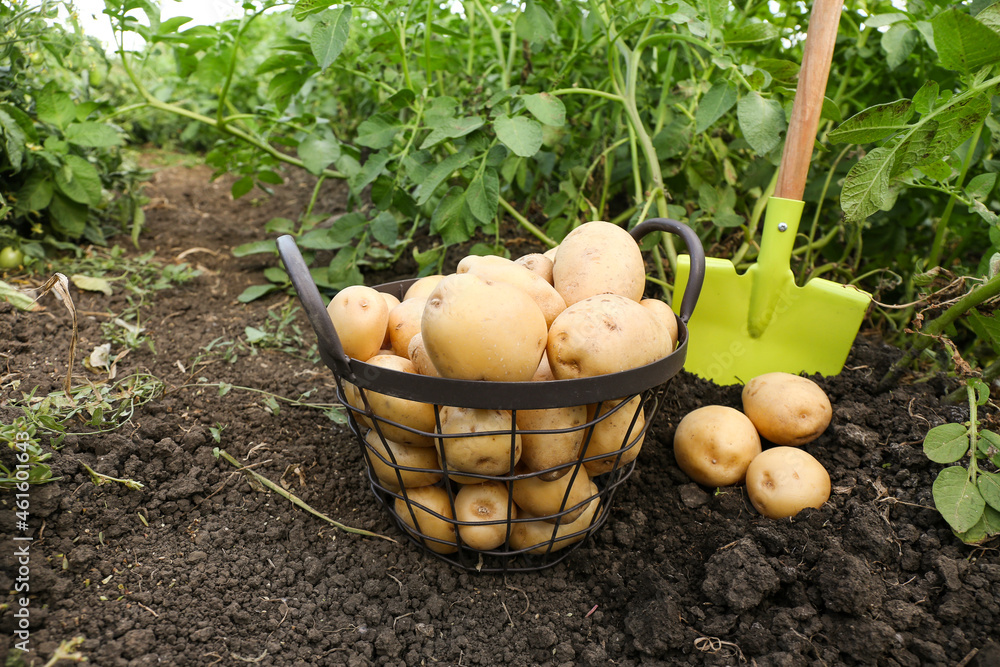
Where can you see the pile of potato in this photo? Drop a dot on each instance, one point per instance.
(576, 311)
(720, 446)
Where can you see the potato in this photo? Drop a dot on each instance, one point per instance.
(537, 263)
(544, 372)
(551, 254)
(412, 414)
(481, 504)
(474, 330)
(614, 432)
(405, 456)
(474, 451)
(787, 409)
(492, 268)
(663, 313)
(545, 499)
(598, 258)
(538, 533)
(782, 481)
(423, 501)
(541, 451)
(404, 324)
(352, 396)
(714, 445)
(390, 302)
(604, 334)
(422, 287)
(418, 356)
(360, 317)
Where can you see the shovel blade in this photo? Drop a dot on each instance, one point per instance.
(812, 330)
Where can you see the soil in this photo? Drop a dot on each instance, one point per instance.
(200, 567)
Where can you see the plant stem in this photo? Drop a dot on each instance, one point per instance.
(524, 222)
(942, 226)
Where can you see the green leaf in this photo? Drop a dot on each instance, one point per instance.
(719, 99)
(751, 33)
(242, 186)
(715, 11)
(980, 186)
(934, 139)
(940, 171)
(17, 298)
(521, 135)
(989, 488)
(534, 25)
(304, 8)
(448, 220)
(55, 106)
(69, 218)
(898, 42)
(255, 292)
(385, 228)
(329, 35)
(989, 445)
(439, 173)
(483, 195)
(963, 43)
(452, 128)
(378, 131)
(79, 180)
(92, 283)
(93, 135)
(882, 20)
(958, 501)
(866, 187)
(924, 99)
(343, 269)
(546, 108)
(946, 443)
(255, 247)
(269, 177)
(987, 526)
(990, 17)
(761, 120)
(373, 166)
(318, 153)
(14, 139)
(874, 123)
(35, 194)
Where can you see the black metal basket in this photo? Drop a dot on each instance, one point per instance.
(631, 397)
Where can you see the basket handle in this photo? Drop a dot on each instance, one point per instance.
(330, 350)
(695, 250)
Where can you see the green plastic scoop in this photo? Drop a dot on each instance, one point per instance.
(761, 321)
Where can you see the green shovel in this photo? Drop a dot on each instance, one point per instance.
(761, 321)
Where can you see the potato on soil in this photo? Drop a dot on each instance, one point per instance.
(787, 409)
(543, 451)
(405, 456)
(714, 445)
(537, 263)
(783, 481)
(404, 324)
(422, 287)
(492, 268)
(423, 501)
(481, 504)
(613, 433)
(545, 499)
(598, 258)
(475, 330)
(665, 315)
(413, 414)
(483, 442)
(360, 317)
(417, 354)
(538, 533)
(605, 334)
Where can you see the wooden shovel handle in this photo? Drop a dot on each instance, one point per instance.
(802, 127)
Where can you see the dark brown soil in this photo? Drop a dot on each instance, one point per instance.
(200, 568)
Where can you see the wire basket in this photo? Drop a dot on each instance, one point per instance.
(415, 472)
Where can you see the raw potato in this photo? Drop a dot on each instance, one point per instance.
(474, 330)
(474, 452)
(536, 535)
(404, 324)
(544, 372)
(605, 334)
(597, 258)
(663, 313)
(537, 263)
(413, 414)
(434, 499)
(481, 504)
(405, 456)
(390, 302)
(418, 355)
(714, 445)
(542, 451)
(613, 432)
(783, 481)
(787, 409)
(360, 317)
(492, 268)
(352, 396)
(422, 287)
(545, 499)
(551, 254)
